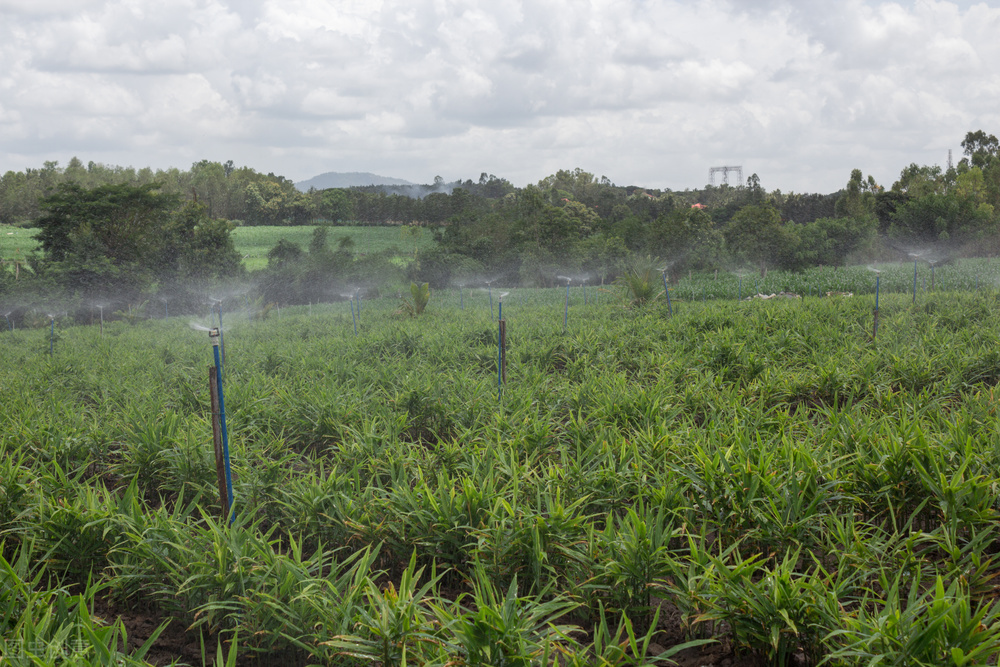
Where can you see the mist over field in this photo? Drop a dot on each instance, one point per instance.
(82, 233)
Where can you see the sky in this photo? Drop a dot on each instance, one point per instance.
(646, 92)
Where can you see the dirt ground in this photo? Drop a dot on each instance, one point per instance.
(177, 644)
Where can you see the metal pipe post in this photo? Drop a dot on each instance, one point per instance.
(216, 337)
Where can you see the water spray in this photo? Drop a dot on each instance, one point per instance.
(566, 311)
(52, 333)
(489, 287)
(218, 401)
(222, 339)
(100, 308)
(6, 316)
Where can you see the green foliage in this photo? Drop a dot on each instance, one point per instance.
(760, 467)
(119, 239)
(282, 254)
(503, 628)
(756, 234)
(569, 221)
(640, 283)
(393, 623)
(941, 218)
(777, 612)
(913, 626)
(626, 647)
(689, 237)
(421, 294)
(46, 626)
(834, 241)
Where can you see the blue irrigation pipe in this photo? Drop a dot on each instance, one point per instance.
(353, 318)
(490, 288)
(666, 290)
(216, 336)
(52, 335)
(914, 281)
(500, 353)
(739, 292)
(875, 325)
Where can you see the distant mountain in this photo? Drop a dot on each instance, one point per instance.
(336, 179)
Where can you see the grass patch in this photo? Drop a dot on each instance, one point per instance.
(254, 242)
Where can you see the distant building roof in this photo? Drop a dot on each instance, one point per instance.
(698, 206)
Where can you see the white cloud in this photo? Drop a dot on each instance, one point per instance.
(650, 92)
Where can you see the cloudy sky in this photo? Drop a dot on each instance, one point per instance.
(646, 92)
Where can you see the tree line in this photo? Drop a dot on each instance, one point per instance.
(135, 231)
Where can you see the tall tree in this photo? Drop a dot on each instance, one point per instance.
(981, 148)
(756, 234)
(122, 238)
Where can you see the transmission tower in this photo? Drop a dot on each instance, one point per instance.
(949, 159)
(738, 170)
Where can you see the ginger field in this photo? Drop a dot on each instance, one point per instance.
(743, 482)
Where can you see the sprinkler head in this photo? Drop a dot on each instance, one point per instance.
(213, 335)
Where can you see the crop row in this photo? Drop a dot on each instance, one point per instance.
(764, 475)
